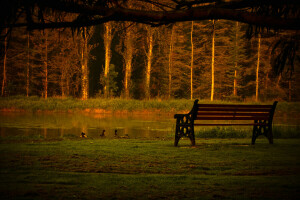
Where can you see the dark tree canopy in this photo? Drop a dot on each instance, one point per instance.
(275, 14)
(259, 14)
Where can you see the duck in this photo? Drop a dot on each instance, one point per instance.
(103, 133)
(83, 135)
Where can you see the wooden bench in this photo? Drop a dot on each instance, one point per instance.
(258, 116)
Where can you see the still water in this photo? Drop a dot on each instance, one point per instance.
(56, 125)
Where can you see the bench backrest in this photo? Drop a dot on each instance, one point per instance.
(233, 112)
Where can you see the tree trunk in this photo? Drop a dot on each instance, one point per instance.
(107, 47)
(235, 64)
(128, 60)
(84, 69)
(27, 70)
(4, 65)
(149, 62)
(257, 68)
(213, 64)
(170, 62)
(46, 67)
(192, 58)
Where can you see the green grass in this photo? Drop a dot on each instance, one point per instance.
(279, 131)
(66, 104)
(149, 169)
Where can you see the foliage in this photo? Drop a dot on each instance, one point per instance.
(35, 103)
(170, 63)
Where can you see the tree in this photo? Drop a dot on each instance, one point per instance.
(108, 35)
(149, 54)
(238, 58)
(84, 65)
(265, 13)
(192, 57)
(213, 63)
(4, 67)
(171, 61)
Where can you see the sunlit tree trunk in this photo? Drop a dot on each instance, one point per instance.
(27, 67)
(4, 65)
(257, 68)
(170, 61)
(236, 60)
(128, 60)
(213, 64)
(107, 47)
(46, 67)
(149, 61)
(192, 58)
(84, 67)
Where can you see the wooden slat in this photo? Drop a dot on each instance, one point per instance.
(237, 109)
(233, 106)
(232, 118)
(205, 113)
(249, 124)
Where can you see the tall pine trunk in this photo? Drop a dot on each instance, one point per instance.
(192, 58)
(257, 69)
(84, 67)
(107, 47)
(27, 67)
(4, 65)
(235, 62)
(149, 62)
(170, 62)
(213, 64)
(128, 60)
(46, 67)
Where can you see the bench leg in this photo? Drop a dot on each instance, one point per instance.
(270, 134)
(192, 136)
(254, 134)
(262, 130)
(177, 137)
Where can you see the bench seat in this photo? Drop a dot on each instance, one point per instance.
(233, 114)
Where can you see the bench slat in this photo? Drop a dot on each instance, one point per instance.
(237, 109)
(233, 118)
(233, 106)
(232, 114)
(249, 124)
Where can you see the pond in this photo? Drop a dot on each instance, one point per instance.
(53, 125)
(56, 125)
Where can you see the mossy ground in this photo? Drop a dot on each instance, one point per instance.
(149, 169)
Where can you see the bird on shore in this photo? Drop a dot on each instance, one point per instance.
(103, 133)
(83, 135)
(116, 134)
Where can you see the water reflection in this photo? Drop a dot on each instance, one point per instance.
(55, 125)
(48, 125)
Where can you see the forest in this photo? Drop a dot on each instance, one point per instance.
(207, 59)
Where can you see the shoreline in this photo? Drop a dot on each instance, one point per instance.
(95, 111)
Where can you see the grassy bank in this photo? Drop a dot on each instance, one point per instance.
(111, 105)
(149, 169)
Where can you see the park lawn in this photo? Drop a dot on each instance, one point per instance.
(149, 169)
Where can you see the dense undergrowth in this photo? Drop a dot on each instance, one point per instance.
(35, 103)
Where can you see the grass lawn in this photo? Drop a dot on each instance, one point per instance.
(149, 169)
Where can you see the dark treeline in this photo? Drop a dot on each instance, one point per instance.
(200, 59)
